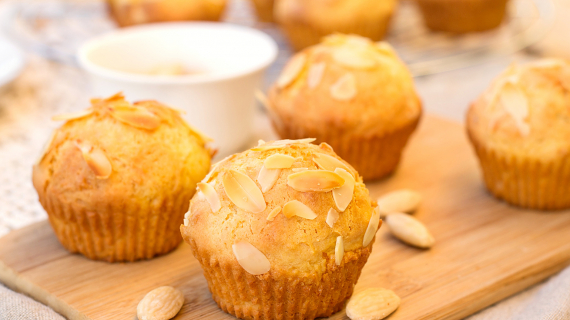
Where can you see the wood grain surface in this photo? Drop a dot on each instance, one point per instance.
(485, 249)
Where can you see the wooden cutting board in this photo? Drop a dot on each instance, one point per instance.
(485, 249)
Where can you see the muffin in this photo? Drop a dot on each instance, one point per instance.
(305, 23)
(520, 129)
(131, 12)
(353, 94)
(461, 16)
(116, 179)
(264, 9)
(282, 231)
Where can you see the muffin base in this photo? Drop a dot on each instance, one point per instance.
(527, 183)
(462, 16)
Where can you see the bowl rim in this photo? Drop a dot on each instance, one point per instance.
(99, 41)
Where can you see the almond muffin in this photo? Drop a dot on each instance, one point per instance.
(461, 16)
(116, 179)
(282, 231)
(305, 23)
(353, 94)
(131, 12)
(520, 129)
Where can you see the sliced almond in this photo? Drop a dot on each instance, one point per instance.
(72, 116)
(372, 304)
(186, 222)
(409, 230)
(136, 117)
(354, 57)
(404, 200)
(250, 258)
(297, 208)
(339, 251)
(325, 146)
(299, 169)
(343, 195)
(345, 88)
(315, 180)
(315, 75)
(373, 226)
(291, 70)
(211, 196)
(289, 142)
(273, 213)
(330, 163)
(332, 217)
(243, 191)
(515, 103)
(96, 159)
(265, 147)
(260, 142)
(267, 178)
(278, 161)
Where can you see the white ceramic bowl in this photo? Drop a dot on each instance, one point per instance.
(219, 100)
(11, 62)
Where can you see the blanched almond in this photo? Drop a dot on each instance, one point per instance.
(211, 196)
(297, 208)
(343, 195)
(315, 75)
(135, 116)
(265, 147)
(186, 222)
(273, 213)
(315, 180)
(243, 192)
(291, 70)
(345, 88)
(278, 161)
(372, 304)
(515, 103)
(354, 58)
(404, 200)
(72, 116)
(330, 163)
(267, 178)
(339, 251)
(289, 142)
(162, 303)
(95, 159)
(373, 226)
(409, 230)
(332, 217)
(250, 258)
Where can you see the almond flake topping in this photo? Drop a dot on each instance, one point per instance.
(95, 158)
(186, 222)
(373, 226)
(515, 103)
(243, 191)
(273, 213)
(250, 258)
(211, 196)
(267, 178)
(357, 58)
(278, 161)
(135, 116)
(72, 116)
(343, 195)
(339, 251)
(332, 217)
(345, 88)
(315, 180)
(265, 147)
(315, 75)
(372, 304)
(288, 142)
(297, 208)
(330, 163)
(299, 169)
(291, 70)
(405, 200)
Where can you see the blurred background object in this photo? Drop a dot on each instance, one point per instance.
(264, 10)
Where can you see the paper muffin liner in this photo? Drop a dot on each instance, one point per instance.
(119, 231)
(283, 295)
(462, 16)
(528, 183)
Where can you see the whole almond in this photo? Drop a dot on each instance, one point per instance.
(404, 200)
(162, 303)
(372, 304)
(409, 230)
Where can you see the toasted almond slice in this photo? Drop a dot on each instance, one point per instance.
(315, 75)
(211, 196)
(315, 180)
(278, 161)
(404, 200)
(373, 226)
(136, 117)
(46, 147)
(273, 213)
(343, 195)
(515, 103)
(288, 142)
(243, 192)
(186, 222)
(95, 158)
(339, 251)
(325, 146)
(265, 147)
(330, 163)
(297, 208)
(345, 88)
(354, 58)
(409, 230)
(250, 258)
(299, 169)
(372, 304)
(267, 178)
(332, 217)
(72, 116)
(260, 142)
(292, 70)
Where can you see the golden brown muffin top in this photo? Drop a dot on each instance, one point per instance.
(118, 151)
(346, 83)
(526, 111)
(275, 210)
(144, 11)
